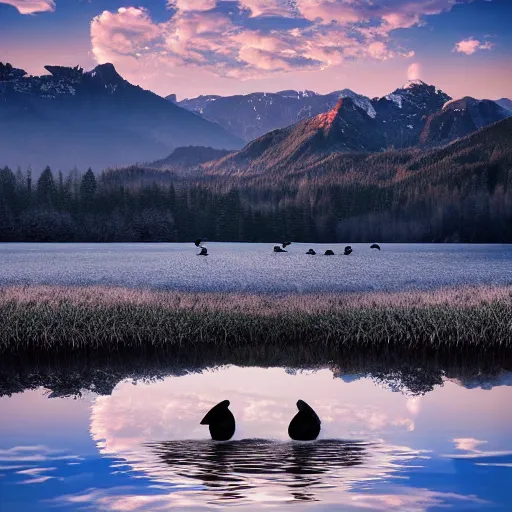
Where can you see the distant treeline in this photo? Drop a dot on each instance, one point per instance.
(398, 196)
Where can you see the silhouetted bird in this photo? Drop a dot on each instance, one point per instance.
(329, 252)
(311, 251)
(278, 249)
(375, 246)
(204, 252)
(305, 425)
(348, 250)
(198, 242)
(221, 422)
(286, 244)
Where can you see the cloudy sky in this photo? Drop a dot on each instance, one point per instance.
(192, 47)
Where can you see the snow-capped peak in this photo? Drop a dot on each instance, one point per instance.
(412, 83)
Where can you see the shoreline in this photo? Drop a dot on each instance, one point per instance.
(53, 320)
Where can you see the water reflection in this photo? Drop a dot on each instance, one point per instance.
(233, 470)
(141, 447)
(70, 377)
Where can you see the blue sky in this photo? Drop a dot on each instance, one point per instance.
(192, 47)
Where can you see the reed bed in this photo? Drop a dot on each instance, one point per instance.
(54, 319)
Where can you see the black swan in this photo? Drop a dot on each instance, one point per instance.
(305, 425)
(221, 422)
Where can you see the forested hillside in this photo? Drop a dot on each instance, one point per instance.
(462, 192)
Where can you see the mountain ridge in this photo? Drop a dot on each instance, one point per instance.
(253, 115)
(421, 109)
(505, 103)
(94, 118)
(459, 118)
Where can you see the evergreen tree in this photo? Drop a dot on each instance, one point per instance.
(88, 188)
(29, 185)
(46, 188)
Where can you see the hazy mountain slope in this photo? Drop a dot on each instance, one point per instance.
(93, 119)
(188, 157)
(274, 155)
(455, 164)
(346, 127)
(505, 103)
(459, 118)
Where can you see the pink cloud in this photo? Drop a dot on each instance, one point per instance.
(263, 60)
(126, 32)
(327, 11)
(470, 46)
(468, 444)
(378, 50)
(192, 5)
(200, 36)
(267, 7)
(194, 36)
(414, 71)
(31, 6)
(386, 15)
(270, 43)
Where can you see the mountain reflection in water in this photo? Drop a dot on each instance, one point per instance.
(230, 470)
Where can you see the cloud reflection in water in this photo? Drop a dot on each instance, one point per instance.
(155, 428)
(234, 470)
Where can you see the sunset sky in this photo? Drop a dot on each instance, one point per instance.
(192, 47)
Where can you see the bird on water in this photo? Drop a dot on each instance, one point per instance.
(329, 252)
(204, 250)
(220, 421)
(286, 244)
(305, 425)
(375, 246)
(278, 249)
(311, 251)
(348, 250)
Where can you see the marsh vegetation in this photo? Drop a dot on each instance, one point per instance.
(58, 320)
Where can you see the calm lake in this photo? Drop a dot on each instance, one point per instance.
(255, 268)
(142, 447)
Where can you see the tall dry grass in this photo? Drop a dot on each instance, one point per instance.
(52, 319)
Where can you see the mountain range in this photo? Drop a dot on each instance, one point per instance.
(75, 118)
(417, 115)
(97, 119)
(254, 115)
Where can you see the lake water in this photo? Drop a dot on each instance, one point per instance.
(142, 447)
(255, 268)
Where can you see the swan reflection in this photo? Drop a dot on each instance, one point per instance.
(232, 470)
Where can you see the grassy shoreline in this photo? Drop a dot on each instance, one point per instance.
(94, 320)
